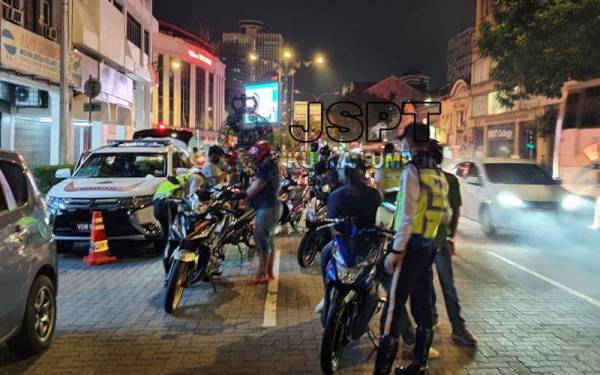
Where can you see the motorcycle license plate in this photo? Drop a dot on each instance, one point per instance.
(83, 227)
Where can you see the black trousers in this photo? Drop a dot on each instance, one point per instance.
(415, 280)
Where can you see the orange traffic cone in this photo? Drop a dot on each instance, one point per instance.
(98, 253)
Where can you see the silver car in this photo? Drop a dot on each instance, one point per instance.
(28, 269)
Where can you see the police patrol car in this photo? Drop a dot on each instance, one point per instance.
(120, 180)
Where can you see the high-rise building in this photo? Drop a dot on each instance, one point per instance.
(459, 55)
(236, 48)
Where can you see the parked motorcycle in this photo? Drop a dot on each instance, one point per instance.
(353, 286)
(294, 201)
(206, 226)
(313, 239)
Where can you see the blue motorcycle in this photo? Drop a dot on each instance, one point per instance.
(352, 284)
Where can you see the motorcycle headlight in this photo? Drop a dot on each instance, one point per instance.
(346, 274)
(141, 201)
(199, 207)
(510, 200)
(571, 202)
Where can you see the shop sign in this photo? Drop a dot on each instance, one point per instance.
(501, 133)
(197, 55)
(28, 52)
(117, 88)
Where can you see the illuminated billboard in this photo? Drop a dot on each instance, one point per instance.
(264, 98)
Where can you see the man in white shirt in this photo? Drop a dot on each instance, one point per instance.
(211, 170)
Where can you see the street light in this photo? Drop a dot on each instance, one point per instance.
(253, 56)
(319, 59)
(287, 54)
(175, 64)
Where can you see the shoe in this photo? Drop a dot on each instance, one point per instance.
(412, 369)
(420, 362)
(464, 338)
(434, 353)
(386, 354)
(320, 305)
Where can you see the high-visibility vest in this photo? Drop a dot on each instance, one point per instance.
(166, 188)
(432, 204)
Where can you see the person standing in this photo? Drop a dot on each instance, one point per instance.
(211, 170)
(423, 207)
(262, 194)
(443, 263)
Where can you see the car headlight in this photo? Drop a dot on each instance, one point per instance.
(571, 202)
(508, 199)
(54, 203)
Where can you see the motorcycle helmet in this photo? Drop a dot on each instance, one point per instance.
(259, 151)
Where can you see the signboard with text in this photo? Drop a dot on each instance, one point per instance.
(28, 52)
(501, 133)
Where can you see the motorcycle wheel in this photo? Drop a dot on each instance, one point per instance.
(332, 344)
(175, 285)
(308, 248)
(200, 271)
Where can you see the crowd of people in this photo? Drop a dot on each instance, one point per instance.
(426, 217)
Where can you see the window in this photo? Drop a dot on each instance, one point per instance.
(185, 94)
(494, 106)
(125, 164)
(171, 95)
(134, 31)
(480, 105)
(180, 160)
(211, 99)
(571, 115)
(118, 6)
(473, 171)
(146, 42)
(462, 169)
(590, 116)
(15, 176)
(3, 205)
(161, 83)
(200, 99)
(517, 174)
(46, 6)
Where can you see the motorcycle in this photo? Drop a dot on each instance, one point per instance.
(353, 285)
(294, 201)
(204, 228)
(313, 240)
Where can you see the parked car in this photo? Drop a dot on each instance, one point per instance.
(504, 194)
(28, 268)
(120, 180)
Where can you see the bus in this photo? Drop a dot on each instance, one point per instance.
(577, 140)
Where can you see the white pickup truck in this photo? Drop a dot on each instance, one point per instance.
(120, 180)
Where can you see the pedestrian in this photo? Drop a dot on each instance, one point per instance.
(443, 263)
(423, 207)
(262, 194)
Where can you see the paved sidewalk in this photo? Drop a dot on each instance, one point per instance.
(111, 321)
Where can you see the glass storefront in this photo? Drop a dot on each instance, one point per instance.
(501, 140)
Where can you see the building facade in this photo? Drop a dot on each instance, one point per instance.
(29, 79)
(236, 47)
(459, 56)
(505, 130)
(112, 42)
(190, 83)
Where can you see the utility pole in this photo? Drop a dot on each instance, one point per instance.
(65, 156)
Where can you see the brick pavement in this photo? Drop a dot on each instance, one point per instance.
(111, 321)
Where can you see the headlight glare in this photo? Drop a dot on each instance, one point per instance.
(510, 200)
(571, 202)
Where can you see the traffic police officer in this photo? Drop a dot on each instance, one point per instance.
(423, 206)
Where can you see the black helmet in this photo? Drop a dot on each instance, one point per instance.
(436, 150)
(389, 148)
(216, 150)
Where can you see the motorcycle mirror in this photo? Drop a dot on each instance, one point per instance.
(173, 180)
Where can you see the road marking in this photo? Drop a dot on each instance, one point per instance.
(584, 297)
(270, 318)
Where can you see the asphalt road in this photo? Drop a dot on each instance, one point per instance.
(532, 301)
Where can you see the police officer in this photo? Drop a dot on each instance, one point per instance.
(164, 210)
(423, 207)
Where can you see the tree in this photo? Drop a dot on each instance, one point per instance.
(538, 44)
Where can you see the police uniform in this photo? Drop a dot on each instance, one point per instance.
(422, 205)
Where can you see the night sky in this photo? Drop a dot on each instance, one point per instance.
(364, 40)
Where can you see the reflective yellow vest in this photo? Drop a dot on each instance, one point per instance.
(432, 204)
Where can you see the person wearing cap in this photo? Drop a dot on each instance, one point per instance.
(262, 194)
(211, 170)
(353, 199)
(423, 206)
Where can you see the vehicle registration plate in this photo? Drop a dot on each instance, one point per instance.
(83, 227)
